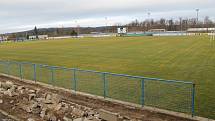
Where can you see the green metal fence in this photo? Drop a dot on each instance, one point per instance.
(165, 94)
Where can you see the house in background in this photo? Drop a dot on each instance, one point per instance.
(3, 38)
(41, 37)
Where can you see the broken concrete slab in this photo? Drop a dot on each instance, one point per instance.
(108, 116)
(49, 106)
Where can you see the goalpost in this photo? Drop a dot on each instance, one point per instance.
(212, 37)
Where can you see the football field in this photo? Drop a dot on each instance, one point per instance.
(190, 58)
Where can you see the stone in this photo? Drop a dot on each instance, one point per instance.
(81, 119)
(48, 101)
(30, 107)
(26, 89)
(31, 96)
(9, 93)
(64, 107)
(67, 118)
(32, 91)
(85, 114)
(7, 85)
(20, 88)
(22, 91)
(30, 119)
(52, 117)
(56, 98)
(90, 117)
(48, 97)
(91, 113)
(40, 100)
(13, 88)
(1, 101)
(37, 91)
(36, 110)
(33, 104)
(126, 118)
(43, 112)
(108, 116)
(58, 107)
(77, 112)
(27, 109)
(25, 99)
(2, 90)
(12, 101)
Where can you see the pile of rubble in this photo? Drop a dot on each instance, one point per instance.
(51, 107)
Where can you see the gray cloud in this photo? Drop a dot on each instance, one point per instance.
(22, 14)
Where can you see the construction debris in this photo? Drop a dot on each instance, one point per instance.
(51, 107)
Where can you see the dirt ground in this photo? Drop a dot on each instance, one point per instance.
(131, 113)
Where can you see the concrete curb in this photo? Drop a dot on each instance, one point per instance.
(127, 104)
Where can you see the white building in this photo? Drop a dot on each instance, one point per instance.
(32, 37)
(43, 36)
(39, 37)
(201, 30)
(122, 30)
(3, 38)
(157, 30)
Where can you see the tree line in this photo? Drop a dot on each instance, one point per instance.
(180, 24)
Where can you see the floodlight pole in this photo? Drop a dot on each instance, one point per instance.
(77, 27)
(149, 14)
(106, 24)
(197, 15)
(181, 26)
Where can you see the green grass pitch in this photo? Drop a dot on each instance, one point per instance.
(190, 58)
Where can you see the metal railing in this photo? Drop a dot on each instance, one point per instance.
(171, 95)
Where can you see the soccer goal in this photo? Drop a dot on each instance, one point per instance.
(212, 35)
(212, 38)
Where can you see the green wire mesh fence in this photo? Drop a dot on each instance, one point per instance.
(165, 94)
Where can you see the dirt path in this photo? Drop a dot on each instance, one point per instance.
(126, 112)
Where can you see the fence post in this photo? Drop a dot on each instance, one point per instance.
(8, 68)
(104, 85)
(52, 75)
(35, 76)
(193, 100)
(74, 80)
(20, 70)
(142, 92)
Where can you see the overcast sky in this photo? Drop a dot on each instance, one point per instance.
(18, 15)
